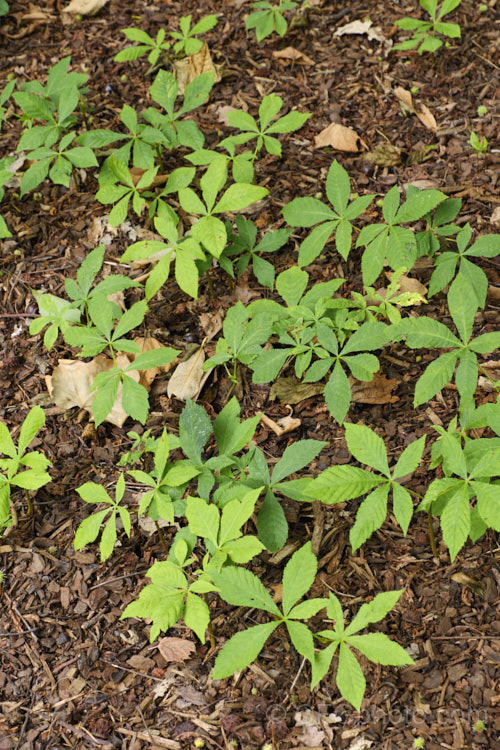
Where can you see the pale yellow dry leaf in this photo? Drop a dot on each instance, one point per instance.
(293, 54)
(71, 382)
(405, 98)
(426, 117)
(189, 68)
(176, 649)
(338, 137)
(188, 377)
(495, 216)
(363, 27)
(83, 7)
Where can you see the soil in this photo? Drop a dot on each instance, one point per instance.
(72, 674)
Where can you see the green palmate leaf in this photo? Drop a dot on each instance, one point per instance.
(438, 374)
(242, 649)
(410, 458)
(466, 375)
(488, 503)
(402, 505)
(196, 615)
(295, 457)
(338, 393)
(31, 425)
(370, 516)
(455, 520)
(301, 638)
(235, 514)
(291, 285)
(340, 483)
(367, 447)
(203, 519)
(88, 531)
(314, 243)
(373, 611)
(460, 307)
(428, 333)
(306, 212)
(194, 430)
(350, 679)
(298, 576)
(241, 588)
(380, 649)
(231, 435)
(239, 196)
(272, 524)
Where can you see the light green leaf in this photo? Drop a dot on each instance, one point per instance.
(373, 611)
(241, 588)
(88, 530)
(298, 576)
(455, 520)
(242, 649)
(367, 447)
(338, 393)
(291, 285)
(370, 516)
(377, 647)
(410, 458)
(295, 457)
(301, 638)
(340, 483)
(272, 524)
(438, 374)
(196, 615)
(402, 505)
(203, 519)
(350, 678)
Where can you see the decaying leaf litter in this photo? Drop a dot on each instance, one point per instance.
(72, 674)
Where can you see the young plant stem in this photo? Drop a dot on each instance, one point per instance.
(162, 538)
(431, 534)
(29, 503)
(210, 628)
(209, 284)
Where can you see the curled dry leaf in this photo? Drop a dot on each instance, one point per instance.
(189, 68)
(376, 391)
(295, 55)
(175, 649)
(424, 114)
(188, 378)
(338, 137)
(281, 426)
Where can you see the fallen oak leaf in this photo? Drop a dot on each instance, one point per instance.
(189, 68)
(188, 378)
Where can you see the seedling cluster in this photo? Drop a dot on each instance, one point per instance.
(308, 330)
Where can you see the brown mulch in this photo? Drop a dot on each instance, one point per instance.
(71, 673)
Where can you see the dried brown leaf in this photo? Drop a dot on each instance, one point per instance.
(376, 391)
(292, 391)
(290, 53)
(384, 155)
(426, 117)
(338, 137)
(175, 649)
